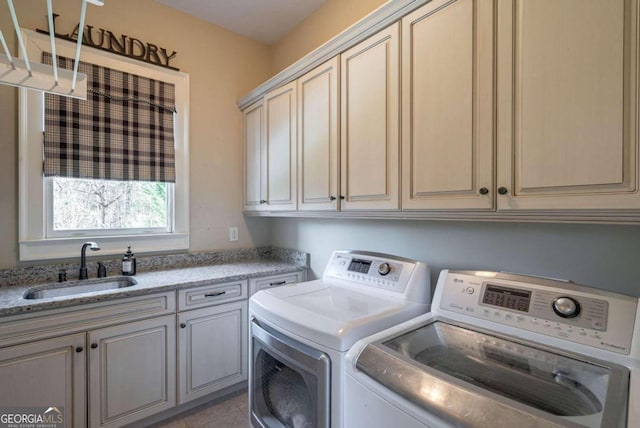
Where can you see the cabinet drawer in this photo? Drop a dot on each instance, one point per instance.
(57, 322)
(213, 294)
(258, 284)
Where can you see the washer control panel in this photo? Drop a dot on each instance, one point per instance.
(372, 270)
(555, 306)
(565, 310)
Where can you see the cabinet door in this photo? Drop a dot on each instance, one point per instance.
(255, 169)
(132, 371)
(318, 138)
(447, 105)
(567, 99)
(370, 123)
(280, 109)
(46, 374)
(212, 349)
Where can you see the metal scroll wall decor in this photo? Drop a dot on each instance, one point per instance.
(122, 44)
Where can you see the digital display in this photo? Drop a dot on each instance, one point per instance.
(505, 297)
(360, 266)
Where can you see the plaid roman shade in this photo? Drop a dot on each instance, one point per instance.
(123, 131)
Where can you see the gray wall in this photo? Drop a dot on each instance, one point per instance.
(603, 256)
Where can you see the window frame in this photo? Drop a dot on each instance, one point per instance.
(33, 241)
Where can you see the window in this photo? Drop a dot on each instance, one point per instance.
(57, 214)
(106, 206)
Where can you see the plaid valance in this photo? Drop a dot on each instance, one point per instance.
(123, 131)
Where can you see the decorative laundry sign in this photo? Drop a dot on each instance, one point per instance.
(124, 45)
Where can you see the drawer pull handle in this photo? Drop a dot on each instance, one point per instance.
(277, 283)
(215, 294)
(94, 345)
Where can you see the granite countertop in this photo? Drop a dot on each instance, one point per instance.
(12, 301)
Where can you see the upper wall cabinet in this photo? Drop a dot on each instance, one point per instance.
(318, 135)
(447, 106)
(280, 136)
(370, 123)
(510, 109)
(270, 151)
(566, 103)
(255, 171)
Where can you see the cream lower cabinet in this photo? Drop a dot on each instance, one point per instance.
(567, 105)
(99, 364)
(370, 132)
(318, 135)
(212, 349)
(447, 106)
(132, 371)
(47, 373)
(212, 338)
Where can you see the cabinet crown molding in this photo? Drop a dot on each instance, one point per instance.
(377, 20)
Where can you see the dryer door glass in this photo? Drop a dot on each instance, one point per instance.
(289, 384)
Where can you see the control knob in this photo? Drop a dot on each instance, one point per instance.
(384, 269)
(566, 307)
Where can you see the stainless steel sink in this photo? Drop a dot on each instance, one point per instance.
(78, 287)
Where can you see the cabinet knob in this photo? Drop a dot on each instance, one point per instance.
(483, 190)
(341, 198)
(263, 201)
(183, 325)
(332, 198)
(94, 345)
(502, 190)
(79, 349)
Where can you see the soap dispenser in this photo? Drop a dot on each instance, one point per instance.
(128, 263)
(102, 270)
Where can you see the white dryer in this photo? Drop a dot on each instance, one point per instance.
(300, 334)
(502, 350)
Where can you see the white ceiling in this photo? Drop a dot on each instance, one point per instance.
(263, 20)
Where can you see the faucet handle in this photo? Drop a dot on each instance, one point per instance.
(102, 270)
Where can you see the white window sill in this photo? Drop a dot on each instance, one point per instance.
(67, 248)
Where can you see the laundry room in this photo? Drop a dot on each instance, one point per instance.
(232, 214)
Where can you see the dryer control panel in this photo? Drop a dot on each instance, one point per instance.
(379, 271)
(551, 307)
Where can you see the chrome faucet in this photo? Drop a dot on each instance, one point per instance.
(83, 258)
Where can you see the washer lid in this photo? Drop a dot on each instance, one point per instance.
(472, 377)
(331, 316)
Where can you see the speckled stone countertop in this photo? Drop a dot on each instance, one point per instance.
(218, 267)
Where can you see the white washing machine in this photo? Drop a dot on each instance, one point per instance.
(300, 334)
(502, 350)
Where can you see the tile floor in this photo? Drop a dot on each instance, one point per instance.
(230, 413)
